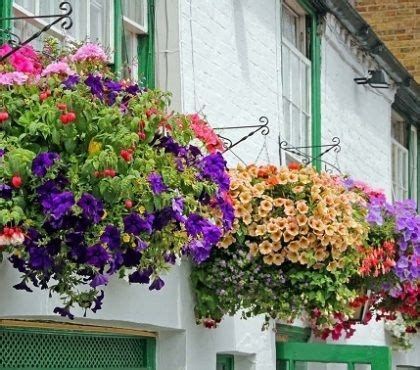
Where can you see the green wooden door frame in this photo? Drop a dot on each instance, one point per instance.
(378, 357)
(315, 43)
(226, 361)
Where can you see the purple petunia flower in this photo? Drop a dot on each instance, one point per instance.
(5, 191)
(95, 84)
(213, 166)
(135, 224)
(140, 276)
(98, 302)
(178, 209)
(111, 236)
(113, 85)
(156, 183)
(169, 257)
(93, 208)
(42, 162)
(64, 311)
(58, 204)
(71, 81)
(199, 251)
(157, 284)
(2, 151)
(97, 256)
(39, 259)
(99, 279)
(22, 286)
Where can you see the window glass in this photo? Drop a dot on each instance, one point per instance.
(290, 26)
(91, 20)
(400, 159)
(135, 11)
(296, 84)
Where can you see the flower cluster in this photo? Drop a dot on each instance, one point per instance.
(299, 216)
(391, 257)
(97, 180)
(206, 134)
(292, 250)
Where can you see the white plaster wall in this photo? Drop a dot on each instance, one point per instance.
(223, 59)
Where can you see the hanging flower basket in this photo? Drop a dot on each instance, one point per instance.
(292, 252)
(97, 179)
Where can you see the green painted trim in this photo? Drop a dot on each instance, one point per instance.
(151, 353)
(315, 83)
(293, 333)
(228, 361)
(118, 37)
(378, 357)
(146, 49)
(6, 8)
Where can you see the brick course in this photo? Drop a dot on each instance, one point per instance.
(397, 23)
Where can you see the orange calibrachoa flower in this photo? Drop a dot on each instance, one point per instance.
(295, 214)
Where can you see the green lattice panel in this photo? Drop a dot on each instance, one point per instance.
(37, 349)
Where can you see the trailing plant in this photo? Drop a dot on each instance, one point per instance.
(292, 252)
(97, 179)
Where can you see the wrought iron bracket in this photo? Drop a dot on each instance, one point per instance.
(229, 144)
(307, 159)
(64, 18)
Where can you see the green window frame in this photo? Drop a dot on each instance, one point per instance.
(315, 53)
(225, 362)
(146, 43)
(61, 349)
(293, 355)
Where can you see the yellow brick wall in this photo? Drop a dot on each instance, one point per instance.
(397, 23)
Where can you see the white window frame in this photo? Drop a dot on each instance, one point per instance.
(58, 32)
(298, 52)
(400, 160)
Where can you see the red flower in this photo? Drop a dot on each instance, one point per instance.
(17, 181)
(126, 154)
(128, 203)
(4, 116)
(294, 166)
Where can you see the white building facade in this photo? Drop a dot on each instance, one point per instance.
(235, 61)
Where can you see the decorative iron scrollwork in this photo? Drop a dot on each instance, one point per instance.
(307, 159)
(64, 18)
(229, 144)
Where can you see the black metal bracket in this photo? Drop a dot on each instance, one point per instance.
(307, 159)
(229, 144)
(64, 18)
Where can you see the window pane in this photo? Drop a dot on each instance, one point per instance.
(29, 5)
(286, 71)
(100, 21)
(295, 68)
(134, 10)
(289, 26)
(92, 21)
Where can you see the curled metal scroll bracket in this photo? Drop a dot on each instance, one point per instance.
(64, 18)
(307, 159)
(229, 144)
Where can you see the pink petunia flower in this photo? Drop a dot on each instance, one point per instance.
(90, 52)
(61, 68)
(13, 78)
